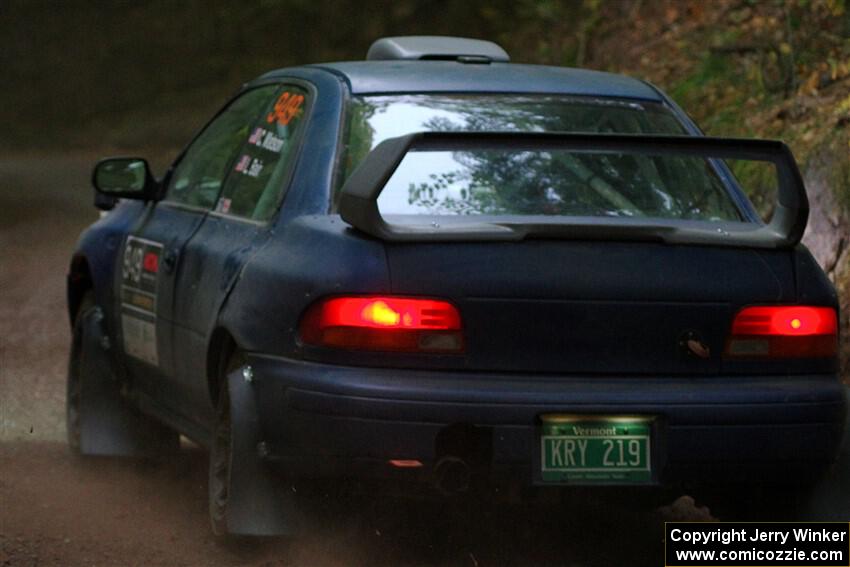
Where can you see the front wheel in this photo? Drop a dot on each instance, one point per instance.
(73, 393)
(99, 419)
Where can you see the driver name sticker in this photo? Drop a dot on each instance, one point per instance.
(249, 166)
(139, 275)
(266, 140)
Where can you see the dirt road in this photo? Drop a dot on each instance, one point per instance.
(57, 510)
(44, 204)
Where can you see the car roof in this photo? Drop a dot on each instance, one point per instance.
(402, 76)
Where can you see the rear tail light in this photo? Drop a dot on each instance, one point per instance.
(399, 324)
(784, 331)
(405, 463)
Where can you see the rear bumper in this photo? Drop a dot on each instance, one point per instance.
(325, 420)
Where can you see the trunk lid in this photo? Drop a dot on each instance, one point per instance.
(585, 307)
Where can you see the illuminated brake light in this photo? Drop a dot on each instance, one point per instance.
(784, 331)
(405, 463)
(383, 323)
(379, 313)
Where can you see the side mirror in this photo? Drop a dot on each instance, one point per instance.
(122, 178)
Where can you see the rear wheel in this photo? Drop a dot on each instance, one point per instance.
(219, 474)
(247, 497)
(221, 453)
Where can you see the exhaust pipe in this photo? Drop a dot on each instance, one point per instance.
(452, 475)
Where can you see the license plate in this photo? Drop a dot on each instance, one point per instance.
(596, 449)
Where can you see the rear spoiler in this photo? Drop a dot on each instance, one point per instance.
(359, 200)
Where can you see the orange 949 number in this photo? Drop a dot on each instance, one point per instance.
(286, 108)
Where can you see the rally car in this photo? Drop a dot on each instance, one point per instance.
(439, 266)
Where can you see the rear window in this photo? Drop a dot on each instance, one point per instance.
(551, 182)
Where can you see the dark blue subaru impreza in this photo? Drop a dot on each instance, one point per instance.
(439, 266)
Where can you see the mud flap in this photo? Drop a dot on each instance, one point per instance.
(108, 424)
(259, 502)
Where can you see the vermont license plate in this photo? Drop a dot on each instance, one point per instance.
(596, 449)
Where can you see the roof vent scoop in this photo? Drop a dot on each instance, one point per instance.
(436, 47)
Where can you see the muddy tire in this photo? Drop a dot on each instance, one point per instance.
(99, 418)
(73, 392)
(221, 457)
(246, 497)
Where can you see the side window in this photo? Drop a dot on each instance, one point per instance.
(199, 175)
(258, 177)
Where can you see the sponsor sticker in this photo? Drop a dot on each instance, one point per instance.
(242, 163)
(139, 337)
(139, 274)
(223, 205)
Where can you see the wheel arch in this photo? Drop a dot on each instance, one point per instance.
(79, 282)
(220, 348)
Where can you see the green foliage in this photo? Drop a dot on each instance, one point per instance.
(840, 176)
(148, 73)
(759, 181)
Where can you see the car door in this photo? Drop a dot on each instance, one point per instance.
(152, 255)
(253, 190)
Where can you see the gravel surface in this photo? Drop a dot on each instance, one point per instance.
(57, 510)
(44, 204)
(60, 510)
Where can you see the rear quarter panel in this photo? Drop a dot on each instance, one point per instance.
(311, 257)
